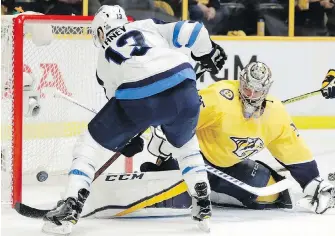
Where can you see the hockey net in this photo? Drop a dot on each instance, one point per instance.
(41, 54)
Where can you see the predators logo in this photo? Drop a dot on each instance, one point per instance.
(227, 93)
(245, 147)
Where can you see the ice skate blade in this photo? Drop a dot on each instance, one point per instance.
(65, 229)
(204, 225)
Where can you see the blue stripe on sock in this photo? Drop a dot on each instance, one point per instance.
(194, 35)
(187, 169)
(78, 172)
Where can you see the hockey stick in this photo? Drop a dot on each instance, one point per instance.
(265, 191)
(301, 97)
(59, 94)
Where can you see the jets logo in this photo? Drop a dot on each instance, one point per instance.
(227, 93)
(245, 147)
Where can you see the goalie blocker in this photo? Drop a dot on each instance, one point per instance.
(160, 191)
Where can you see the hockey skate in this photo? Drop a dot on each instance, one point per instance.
(201, 206)
(60, 220)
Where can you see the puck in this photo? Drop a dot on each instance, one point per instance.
(42, 176)
(331, 176)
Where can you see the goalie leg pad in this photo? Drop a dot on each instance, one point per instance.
(83, 166)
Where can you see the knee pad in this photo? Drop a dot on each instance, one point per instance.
(83, 166)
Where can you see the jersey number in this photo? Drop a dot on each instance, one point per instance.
(139, 48)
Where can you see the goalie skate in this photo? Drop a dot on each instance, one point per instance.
(61, 220)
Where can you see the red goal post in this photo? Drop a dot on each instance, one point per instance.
(41, 54)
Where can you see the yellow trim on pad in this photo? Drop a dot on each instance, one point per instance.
(170, 193)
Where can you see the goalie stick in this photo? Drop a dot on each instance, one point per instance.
(301, 97)
(265, 191)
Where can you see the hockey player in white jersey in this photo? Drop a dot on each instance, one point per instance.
(148, 83)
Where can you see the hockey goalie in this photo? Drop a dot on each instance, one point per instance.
(237, 120)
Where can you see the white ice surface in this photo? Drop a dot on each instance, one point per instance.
(225, 222)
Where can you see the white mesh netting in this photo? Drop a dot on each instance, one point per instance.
(65, 62)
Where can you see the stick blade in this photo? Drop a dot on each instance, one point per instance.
(28, 211)
(272, 189)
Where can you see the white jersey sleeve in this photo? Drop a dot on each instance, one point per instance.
(188, 34)
(140, 59)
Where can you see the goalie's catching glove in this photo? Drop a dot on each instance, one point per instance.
(320, 196)
(214, 61)
(134, 146)
(328, 85)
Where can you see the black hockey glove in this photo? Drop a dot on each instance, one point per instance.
(170, 164)
(328, 85)
(214, 61)
(133, 147)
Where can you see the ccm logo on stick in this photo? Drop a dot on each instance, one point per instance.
(124, 177)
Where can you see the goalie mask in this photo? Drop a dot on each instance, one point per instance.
(106, 19)
(255, 82)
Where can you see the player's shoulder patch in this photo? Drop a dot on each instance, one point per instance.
(227, 93)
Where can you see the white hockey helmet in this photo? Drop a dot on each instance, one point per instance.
(106, 19)
(255, 82)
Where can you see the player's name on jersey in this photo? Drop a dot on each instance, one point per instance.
(131, 176)
(113, 34)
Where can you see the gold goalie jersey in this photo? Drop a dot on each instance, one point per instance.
(227, 138)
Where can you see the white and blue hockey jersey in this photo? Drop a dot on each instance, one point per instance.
(140, 59)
